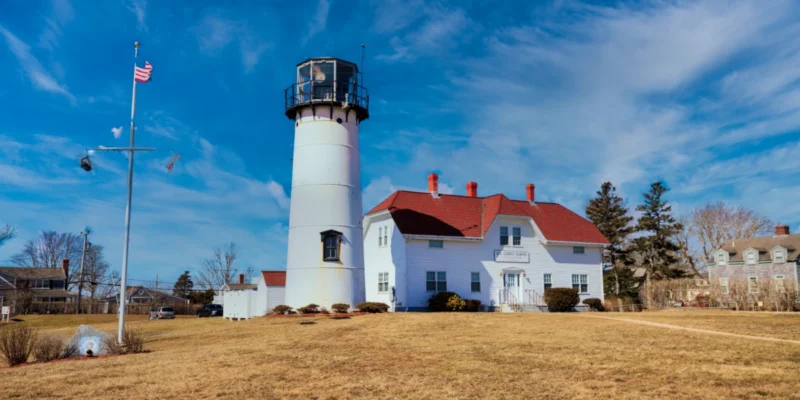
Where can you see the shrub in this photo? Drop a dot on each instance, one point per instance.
(561, 299)
(372, 307)
(70, 350)
(340, 308)
(111, 344)
(455, 303)
(134, 341)
(281, 309)
(309, 309)
(439, 301)
(48, 348)
(594, 304)
(472, 305)
(17, 343)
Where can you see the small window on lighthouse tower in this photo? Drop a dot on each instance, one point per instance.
(331, 245)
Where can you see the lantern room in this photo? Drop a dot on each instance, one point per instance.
(327, 81)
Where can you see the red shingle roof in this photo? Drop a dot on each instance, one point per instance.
(274, 278)
(419, 213)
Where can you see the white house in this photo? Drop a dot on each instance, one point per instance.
(247, 300)
(502, 252)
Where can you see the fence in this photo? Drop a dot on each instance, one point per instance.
(738, 294)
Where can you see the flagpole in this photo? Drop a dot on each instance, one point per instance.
(124, 281)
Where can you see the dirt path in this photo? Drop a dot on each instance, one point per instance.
(706, 331)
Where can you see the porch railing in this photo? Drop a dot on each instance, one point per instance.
(533, 297)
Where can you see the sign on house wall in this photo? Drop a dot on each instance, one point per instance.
(511, 256)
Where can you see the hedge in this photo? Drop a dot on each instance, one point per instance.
(595, 304)
(372, 307)
(561, 299)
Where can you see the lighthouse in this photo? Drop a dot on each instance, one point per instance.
(325, 259)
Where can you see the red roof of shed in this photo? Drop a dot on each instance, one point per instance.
(419, 213)
(274, 278)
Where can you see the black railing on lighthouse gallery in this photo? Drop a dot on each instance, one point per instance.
(347, 94)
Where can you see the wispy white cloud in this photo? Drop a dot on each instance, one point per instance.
(394, 15)
(440, 31)
(39, 77)
(215, 33)
(117, 131)
(318, 23)
(139, 9)
(61, 13)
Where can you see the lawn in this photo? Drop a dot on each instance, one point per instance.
(420, 356)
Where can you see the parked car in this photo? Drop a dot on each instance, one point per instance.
(162, 313)
(209, 310)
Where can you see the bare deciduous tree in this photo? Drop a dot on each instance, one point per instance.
(7, 232)
(95, 269)
(219, 269)
(707, 228)
(48, 249)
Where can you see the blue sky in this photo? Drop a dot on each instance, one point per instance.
(563, 94)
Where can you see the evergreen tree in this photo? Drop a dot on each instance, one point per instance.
(609, 213)
(657, 247)
(202, 297)
(183, 287)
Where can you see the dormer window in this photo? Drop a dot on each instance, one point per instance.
(751, 256)
(722, 257)
(331, 245)
(778, 256)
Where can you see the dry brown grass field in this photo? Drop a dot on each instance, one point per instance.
(429, 356)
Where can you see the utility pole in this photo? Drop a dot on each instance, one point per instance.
(156, 281)
(84, 233)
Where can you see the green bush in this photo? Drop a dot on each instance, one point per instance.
(595, 304)
(441, 302)
(282, 309)
(472, 305)
(561, 299)
(340, 308)
(309, 309)
(372, 307)
(455, 303)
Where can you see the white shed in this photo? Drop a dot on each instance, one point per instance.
(248, 300)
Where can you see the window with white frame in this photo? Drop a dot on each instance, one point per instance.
(580, 282)
(383, 281)
(380, 236)
(548, 281)
(578, 250)
(778, 256)
(780, 284)
(517, 233)
(752, 285)
(436, 244)
(721, 258)
(475, 278)
(503, 236)
(40, 284)
(436, 281)
(386, 236)
(723, 285)
(751, 257)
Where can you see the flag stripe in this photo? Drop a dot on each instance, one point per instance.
(142, 74)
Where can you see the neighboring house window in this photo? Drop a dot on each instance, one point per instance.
(751, 257)
(331, 243)
(752, 285)
(778, 257)
(436, 281)
(40, 284)
(383, 282)
(475, 277)
(580, 282)
(436, 244)
(503, 236)
(548, 281)
(380, 236)
(780, 286)
(517, 236)
(723, 285)
(578, 250)
(386, 236)
(721, 259)
(58, 284)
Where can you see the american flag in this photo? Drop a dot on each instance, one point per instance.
(143, 74)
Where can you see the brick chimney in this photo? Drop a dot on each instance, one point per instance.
(241, 279)
(433, 184)
(65, 266)
(472, 189)
(530, 190)
(781, 230)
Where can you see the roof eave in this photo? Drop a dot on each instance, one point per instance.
(448, 238)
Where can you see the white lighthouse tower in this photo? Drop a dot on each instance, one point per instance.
(325, 261)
